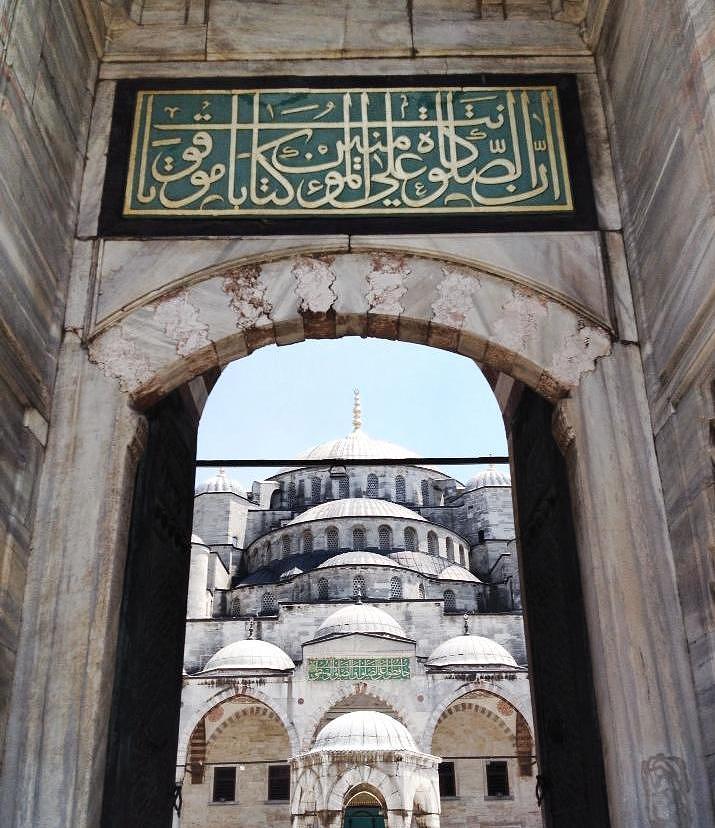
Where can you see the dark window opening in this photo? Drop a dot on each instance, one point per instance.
(447, 781)
(497, 779)
(278, 782)
(224, 785)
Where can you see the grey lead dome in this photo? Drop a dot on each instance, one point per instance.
(364, 730)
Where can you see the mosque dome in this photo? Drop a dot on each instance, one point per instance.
(359, 558)
(220, 483)
(471, 651)
(489, 477)
(357, 445)
(249, 655)
(364, 730)
(352, 507)
(359, 618)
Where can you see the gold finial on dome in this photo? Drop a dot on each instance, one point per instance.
(357, 411)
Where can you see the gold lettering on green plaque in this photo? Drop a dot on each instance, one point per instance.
(365, 669)
(299, 152)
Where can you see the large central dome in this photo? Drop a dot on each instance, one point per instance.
(356, 507)
(357, 445)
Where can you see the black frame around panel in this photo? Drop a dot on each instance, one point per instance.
(112, 223)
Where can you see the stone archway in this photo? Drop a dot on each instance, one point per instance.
(182, 328)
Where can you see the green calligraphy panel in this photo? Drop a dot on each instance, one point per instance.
(364, 669)
(301, 152)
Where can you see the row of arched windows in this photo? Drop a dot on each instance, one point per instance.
(372, 489)
(359, 543)
(269, 605)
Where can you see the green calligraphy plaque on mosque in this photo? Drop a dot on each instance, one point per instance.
(226, 153)
(364, 669)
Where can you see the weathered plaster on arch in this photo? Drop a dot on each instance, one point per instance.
(314, 280)
(180, 320)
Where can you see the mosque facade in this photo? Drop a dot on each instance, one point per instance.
(354, 650)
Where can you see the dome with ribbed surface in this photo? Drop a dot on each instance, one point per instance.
(356, 507)
(472, 651)
(489, 477)
(220, 484)
(249, 656)
(359, 558)
(364, 730)
(359, 618)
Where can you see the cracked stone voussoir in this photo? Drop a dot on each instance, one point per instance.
(180, 321)
(455, 296)
(314, 281)
(247, 296)
(386, 282)
(118, 356)
(578, 353)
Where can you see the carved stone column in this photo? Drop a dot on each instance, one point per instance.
(653, 754)
(54, 760)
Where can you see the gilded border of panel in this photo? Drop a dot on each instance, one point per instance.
(142, 128)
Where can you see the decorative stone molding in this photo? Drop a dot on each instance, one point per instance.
(666, 783)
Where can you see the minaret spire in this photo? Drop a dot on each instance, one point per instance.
(357, 411)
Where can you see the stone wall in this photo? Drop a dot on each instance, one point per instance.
(48, 52)
(656, 66)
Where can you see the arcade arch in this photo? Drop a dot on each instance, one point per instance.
(529, 329)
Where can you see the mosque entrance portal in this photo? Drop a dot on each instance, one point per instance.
(363, 810)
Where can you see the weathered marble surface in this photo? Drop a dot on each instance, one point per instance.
(43, 127)
(656, 69)
(566, 267)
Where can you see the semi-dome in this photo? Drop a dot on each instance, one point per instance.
(455, 572)
(220, 483)
(489, 477)
(359, 618)
(473, 651)
(249, 655)
(356, 507)
(359, 558)
(364, 730)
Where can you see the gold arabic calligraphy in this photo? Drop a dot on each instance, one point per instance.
(377, 151)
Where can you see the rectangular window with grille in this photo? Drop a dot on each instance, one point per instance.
(224, 784)
(447, 781)
(497, 779)
(278, 782)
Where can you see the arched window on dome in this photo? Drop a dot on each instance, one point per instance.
(343, 488)
(450, 601)
(286, 544)
(395, 589)
(420, 590)
(372, 489)
(400, 489)
(291, 496)
(235, 606)
(315, 490)
(268, 604)
(358, 586)
(358, 539)
(384, 538)
(328, 492)
(323, 589)
(410, 539)
(432, 543)
(332, 539)
(307, 541)
(425, 492)
(450, 549)
(462, 556)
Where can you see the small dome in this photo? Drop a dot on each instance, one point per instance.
(195, 539)
(359, 618)
(489, 477)
(471, 651)
(364, 730)
(219, 483)
(356, 558)
(455, 572)
(355, 507)
(249, 655)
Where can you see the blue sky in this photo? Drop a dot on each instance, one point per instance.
(279, 402)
